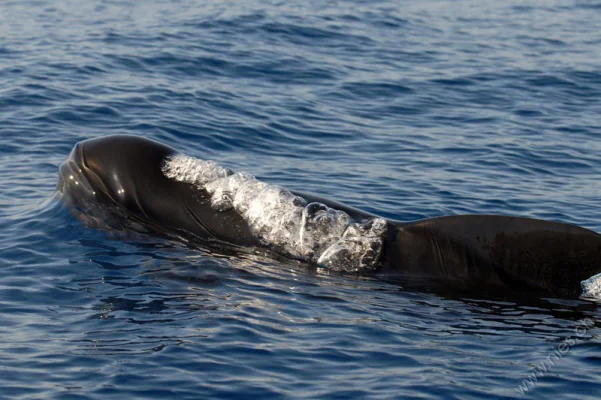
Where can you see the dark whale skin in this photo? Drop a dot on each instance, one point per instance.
(124, 173)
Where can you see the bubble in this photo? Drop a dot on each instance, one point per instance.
(591, 288)
(284, 222)
(320, 227)
(192, 170)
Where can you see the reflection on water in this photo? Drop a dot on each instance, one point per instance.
(119, 310)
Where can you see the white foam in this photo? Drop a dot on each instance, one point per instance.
(189, 169)
(283, 221)
(591, 288)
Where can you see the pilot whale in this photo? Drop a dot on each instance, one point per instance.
(166, 191)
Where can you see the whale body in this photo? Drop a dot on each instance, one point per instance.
(157, 187)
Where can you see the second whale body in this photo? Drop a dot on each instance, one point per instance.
(167, 191)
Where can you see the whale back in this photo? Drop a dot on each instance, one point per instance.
(540, 254)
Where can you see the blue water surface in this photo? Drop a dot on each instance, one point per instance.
(409, 109)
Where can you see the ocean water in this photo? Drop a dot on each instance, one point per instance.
(407, 109)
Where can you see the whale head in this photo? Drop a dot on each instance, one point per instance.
(122, 175)
(113, 168)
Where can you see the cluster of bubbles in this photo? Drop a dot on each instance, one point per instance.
(282, 221)
(591, 288)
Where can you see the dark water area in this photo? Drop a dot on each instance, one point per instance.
(408, 109)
